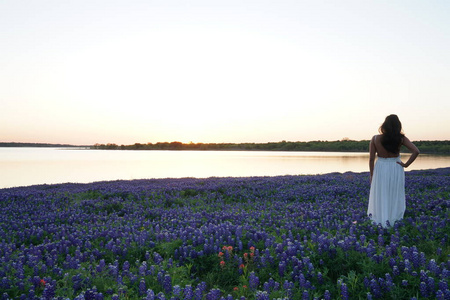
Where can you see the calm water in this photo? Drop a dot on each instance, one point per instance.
(28, 166)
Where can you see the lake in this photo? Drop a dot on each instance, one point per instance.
(29, 166)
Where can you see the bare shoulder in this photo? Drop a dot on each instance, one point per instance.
(373, 145)
(376, 138)
(405, 138)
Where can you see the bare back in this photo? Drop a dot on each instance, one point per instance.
(376, 148)
(380, 150)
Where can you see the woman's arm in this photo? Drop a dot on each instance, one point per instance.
(414, 152)
(372, 152)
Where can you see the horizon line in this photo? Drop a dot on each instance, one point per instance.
(190, 143)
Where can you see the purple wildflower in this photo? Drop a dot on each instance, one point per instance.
(143, 269)
(327, 295)
(49, 292)
(415, 259)
(423, 276)
(150, 295)
(90, 295)
(126, 266)
(5, 283)
(430, 283)
(395, 271)
(380, 240)
(423, 289)
(344, 291)
(213, 294)
(375, 288)
(302, 280)
(157, 258)
(262, 295)
(167, 284)
(288, 287)
(389, 282)
(440, 295)
(198, 294)
(142, 287)
(176, 290)
(253, 281)
(101, 266)
(320, 277)
(433, 267)
(366, 282)
(443, 285)
(188, 293)
(281, 268)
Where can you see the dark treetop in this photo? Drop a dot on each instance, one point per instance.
(431, 147)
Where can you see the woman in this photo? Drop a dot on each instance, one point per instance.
(387, 178)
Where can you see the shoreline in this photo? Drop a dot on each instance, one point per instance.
(347, 173)
(425, 146)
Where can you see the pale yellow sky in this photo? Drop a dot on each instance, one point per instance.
(98, 71)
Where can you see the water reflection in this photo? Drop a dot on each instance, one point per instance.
(27, 166)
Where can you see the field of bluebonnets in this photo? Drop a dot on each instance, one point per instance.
(285, 237)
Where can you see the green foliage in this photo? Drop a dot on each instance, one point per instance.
(431, 147)
(344, 145)
(167, 250)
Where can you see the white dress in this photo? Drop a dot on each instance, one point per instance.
(387, 191)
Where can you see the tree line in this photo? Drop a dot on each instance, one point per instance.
(39, 145)
(430, 147)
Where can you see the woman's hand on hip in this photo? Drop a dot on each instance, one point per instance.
(402, 164)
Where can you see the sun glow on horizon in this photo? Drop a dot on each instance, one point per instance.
(132, 72)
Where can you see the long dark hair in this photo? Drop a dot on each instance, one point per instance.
(392, 135)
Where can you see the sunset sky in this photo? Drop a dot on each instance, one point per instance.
(125, 72)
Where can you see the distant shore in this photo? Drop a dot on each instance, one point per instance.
(40, 145)
(426, 147)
